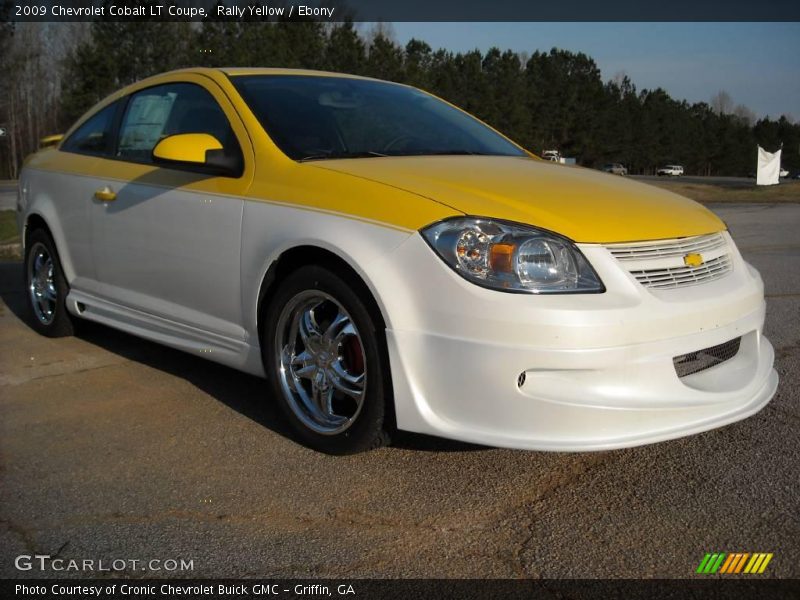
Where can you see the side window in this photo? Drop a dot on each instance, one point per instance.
(155, 113)
(93, 137)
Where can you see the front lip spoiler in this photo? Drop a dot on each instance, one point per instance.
(759, 401)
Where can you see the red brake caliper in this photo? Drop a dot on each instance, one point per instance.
(353, 355)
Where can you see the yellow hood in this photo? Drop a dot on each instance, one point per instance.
(584, 205)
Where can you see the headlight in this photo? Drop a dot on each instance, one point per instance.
(512, 257)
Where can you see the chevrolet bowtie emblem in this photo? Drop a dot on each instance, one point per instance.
(693, 260)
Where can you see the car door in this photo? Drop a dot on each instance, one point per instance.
(165, 240)
(64, 189)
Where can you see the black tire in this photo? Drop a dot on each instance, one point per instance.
(371, 424)
(58, 323)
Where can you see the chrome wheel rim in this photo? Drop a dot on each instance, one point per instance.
(41, 284)
(321, 362)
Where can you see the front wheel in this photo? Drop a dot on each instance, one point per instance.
(325, 358)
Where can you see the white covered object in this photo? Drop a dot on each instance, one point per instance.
(769, 167)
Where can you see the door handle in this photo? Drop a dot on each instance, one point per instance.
(105, 194)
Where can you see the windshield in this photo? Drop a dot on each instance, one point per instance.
(314, 118)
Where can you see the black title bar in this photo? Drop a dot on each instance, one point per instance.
(418, 589)
(400, 10)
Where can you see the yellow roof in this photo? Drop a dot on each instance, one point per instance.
(233, 71)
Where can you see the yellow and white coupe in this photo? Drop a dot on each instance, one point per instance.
(389, 262)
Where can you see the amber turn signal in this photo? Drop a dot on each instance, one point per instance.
(501, 257)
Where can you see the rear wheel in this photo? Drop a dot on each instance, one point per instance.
(325, 360)
(46, 287)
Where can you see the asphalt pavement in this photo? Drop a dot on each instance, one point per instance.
(116, 448)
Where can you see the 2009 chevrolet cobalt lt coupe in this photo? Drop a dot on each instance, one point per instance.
(388, 261)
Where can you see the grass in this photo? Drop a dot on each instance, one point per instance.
(8, 227)
(9, 236)
(786, 191)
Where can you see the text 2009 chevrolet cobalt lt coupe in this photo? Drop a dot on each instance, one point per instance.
(388, 261)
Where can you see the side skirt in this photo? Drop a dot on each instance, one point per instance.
(238, 354)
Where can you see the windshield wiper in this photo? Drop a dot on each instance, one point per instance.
(335, 155)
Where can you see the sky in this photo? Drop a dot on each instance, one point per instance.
(758, 64)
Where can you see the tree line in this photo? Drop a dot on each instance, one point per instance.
(546, 100)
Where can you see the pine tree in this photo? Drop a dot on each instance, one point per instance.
(345, 51)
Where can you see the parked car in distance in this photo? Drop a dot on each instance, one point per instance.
(783, 173)
(615, 168)
(671, 170)
(387, 261)
(552, 155)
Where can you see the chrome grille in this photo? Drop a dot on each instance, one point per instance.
(680, 276)
(661, 265)
(694, 362)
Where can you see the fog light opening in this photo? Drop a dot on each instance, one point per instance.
(521, 379)
(80, 306)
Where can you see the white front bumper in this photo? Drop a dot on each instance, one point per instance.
(598, 368)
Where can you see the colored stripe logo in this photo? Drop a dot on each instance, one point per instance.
(732, 563)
